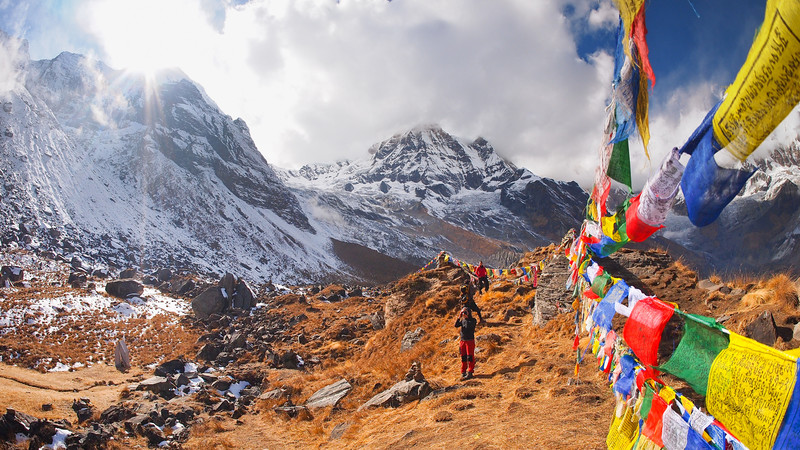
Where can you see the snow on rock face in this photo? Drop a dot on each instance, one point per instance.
(101, 162)
(425, 190)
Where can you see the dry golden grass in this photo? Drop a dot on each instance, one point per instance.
(779, 290)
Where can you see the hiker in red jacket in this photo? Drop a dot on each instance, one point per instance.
(466, 347)
(483, 279)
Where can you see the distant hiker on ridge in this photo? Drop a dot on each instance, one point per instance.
(466, 346)
(483, 279)
(467, 300)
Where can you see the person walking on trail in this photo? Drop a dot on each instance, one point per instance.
(466, 323)
(483, 278)
(467, 301)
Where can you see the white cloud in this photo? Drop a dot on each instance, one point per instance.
(319, 81)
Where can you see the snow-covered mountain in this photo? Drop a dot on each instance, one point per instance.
(760, 229)
(126, 170)
(147, 172)
(425, 190)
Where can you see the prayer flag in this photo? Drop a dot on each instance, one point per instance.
(767, 86)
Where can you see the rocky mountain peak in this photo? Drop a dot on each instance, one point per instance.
(429, 156)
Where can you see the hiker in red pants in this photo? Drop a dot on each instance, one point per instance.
(466, 347)
(483, 278)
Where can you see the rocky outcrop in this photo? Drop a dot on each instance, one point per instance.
(413, 387)
(551, 293)
(329, 395)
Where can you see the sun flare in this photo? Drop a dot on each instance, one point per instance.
(147, 35)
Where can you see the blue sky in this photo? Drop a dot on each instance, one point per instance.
(320, 80)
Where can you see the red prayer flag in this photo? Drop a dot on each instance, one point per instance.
(643, 328)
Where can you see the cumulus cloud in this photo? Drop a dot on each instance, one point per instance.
(320, 81)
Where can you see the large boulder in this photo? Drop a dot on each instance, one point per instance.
(401, 393)
(329, 395)
(243, 296)
(211, 301)
(124, 288)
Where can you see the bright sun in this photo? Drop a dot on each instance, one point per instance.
(146, 35)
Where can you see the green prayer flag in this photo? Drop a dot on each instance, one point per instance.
(702, 341)
(619, 166)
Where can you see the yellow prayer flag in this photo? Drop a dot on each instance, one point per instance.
(627, 12)
(767, 86)
(623, 431)
(749, 388)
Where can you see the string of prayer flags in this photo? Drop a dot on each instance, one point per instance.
(767, 87)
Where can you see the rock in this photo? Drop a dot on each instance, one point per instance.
(100, 273)
(349, 187)
(170, 367)
(411, 338)
(122, 357)
(47, 407)
(274, 394)
(291, 360)
(551, 290)
(223, 405)
(182, 287)
(12, 273)
(709, 285)
(42, 432)
(222, 383)
(83, 409)
(77, 279)
(384, 187)
(763, 329)
(14, 422)
(156, 385)
(415, 373)
(129, 273)
(76, 263)
(125, 287)
(209, 352)
(329, 395)
(377, 321)
(339, 430)
(164, 275)
(299, 412)
(211, 301)
(228, 284)
(153, 434)
(117, 413)
(135, 423)
(356, 292)
(236, 340)
(401, 393)
(243, 297)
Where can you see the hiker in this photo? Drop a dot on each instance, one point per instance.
(467, 300)
(483, 278)
(466, 346)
